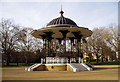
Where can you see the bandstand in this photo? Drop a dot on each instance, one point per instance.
(56, 36)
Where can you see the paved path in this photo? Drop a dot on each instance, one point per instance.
(101, 72)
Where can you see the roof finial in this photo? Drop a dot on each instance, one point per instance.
(61, 7)
(61, 12)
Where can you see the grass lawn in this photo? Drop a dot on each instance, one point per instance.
(29, 64)
(15, 64)
(106, 63)
(100, 72)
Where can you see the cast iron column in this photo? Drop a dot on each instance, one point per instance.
(44, 47)
(49, 38)
(78, 38)
(64, 33)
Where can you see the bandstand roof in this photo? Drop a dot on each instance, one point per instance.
(64, 24)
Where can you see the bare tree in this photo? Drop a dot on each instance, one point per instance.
(112, 38)
(103, 43)
(28, 44)
(8, 38)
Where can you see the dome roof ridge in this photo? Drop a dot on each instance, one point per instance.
(61, 21)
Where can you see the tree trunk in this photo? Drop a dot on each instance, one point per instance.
(7, 63)
(97, 60)
(26, 61)
(7, 59)
(102, 59)
(17, 63)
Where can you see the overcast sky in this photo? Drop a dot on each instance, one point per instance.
(38, 14)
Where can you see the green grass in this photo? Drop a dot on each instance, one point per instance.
(15, 64)
(106, 63)
(29, 64)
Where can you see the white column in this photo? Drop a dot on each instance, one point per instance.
(82, 60)
(66, 60)
(79, 60)
(41, 60)
(70, 60)
(53, 60)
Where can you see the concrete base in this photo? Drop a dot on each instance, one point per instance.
(75, 67)
(51, 67)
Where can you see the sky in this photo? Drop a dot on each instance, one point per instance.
(37, 14)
